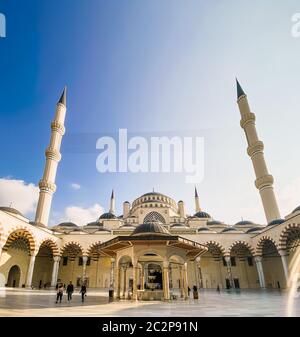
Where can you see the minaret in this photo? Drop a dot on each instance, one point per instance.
(181, 209)
(47, 183)
(197, 202)
(264, 180)
(112, 203)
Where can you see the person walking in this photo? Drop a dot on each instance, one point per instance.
(195, 292)
(83, 292)
(70, 290)
(189, 291)
(60, 291)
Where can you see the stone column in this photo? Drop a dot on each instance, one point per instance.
(84, 261)
(135, 277)
(112, 275)
(229, 271)
(199, 273)
(118, 283)
(30, 271)
(185, 281)
(166, 281)
(283, 255)
(181, 282)
(143, 276)
(260, 271)
(124, 281)
(55, 270)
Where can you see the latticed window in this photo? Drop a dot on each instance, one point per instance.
(154, 216)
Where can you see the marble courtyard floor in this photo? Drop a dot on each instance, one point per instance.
(24, 302)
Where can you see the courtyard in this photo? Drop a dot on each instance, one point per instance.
(249, 303)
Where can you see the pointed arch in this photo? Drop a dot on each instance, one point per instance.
(262, 242)
(20, 234)
(290, 236)
(242, 249)
(94, 251)
(72, 249)
(49, 242)
(215, 248)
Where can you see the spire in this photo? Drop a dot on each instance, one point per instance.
(63, 97)
(112, 203)
(240, 91)
(197, 201)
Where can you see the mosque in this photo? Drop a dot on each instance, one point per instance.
(154, 250)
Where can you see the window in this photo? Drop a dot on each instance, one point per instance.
(88, 262)
(65, 260)
(250, 261)
(224, 261)
(80, 261)
(232, 260)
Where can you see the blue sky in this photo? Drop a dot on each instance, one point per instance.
(151, 67)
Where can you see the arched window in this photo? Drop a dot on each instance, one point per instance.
(154, 216)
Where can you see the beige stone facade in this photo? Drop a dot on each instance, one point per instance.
(243, 255)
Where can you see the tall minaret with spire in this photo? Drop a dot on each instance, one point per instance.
(47, 183)
(264, 180)
(197, 202)
(112, 208)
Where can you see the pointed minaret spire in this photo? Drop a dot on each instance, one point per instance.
(47, 183)
(63, 97)
(197, 201)
(240, 91)
(112, 203)
(264, 180)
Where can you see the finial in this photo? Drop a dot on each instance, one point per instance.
(196, 192)
(112, 194)
(240, 91)
(63, 97)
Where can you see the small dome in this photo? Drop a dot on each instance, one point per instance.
(94, 224)
(244, 223)
(254, 229)
(296, 209)
(150, 228)
(67, 224)
(228, 229)
(276, 222)
(202, 215)
(178, 225)
(11, 210)
(204, 229)
(213, 222)
(108, 215)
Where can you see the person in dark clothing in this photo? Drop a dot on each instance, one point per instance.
(70, 290)
(83, 292)
(189, 291)
(195, 292)
(60, 291)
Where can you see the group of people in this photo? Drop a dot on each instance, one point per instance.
(195, 292)
(60, 288)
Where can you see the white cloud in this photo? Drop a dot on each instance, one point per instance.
(20, 195)
(75, 186)
(79, 215)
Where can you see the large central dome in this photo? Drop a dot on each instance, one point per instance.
(154, 200)
(150, 228)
